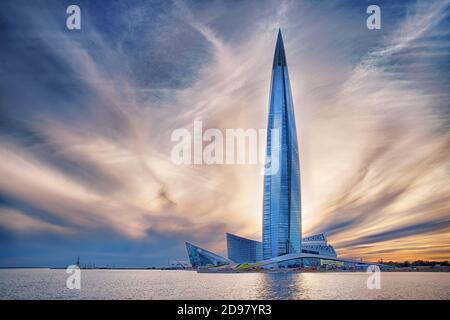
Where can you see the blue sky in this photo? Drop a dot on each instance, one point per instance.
(86, 117)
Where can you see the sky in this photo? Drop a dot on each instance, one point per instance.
(86, 118)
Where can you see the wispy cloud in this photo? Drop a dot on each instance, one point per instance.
(399, 190)
(21, 222)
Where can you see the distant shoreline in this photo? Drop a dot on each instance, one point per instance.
(103, 268)
(212, 271)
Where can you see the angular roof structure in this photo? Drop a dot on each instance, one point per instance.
(200, 257)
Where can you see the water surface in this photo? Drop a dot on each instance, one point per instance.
(158, 284)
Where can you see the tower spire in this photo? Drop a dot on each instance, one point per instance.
(279, 58)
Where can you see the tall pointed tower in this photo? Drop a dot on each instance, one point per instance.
(282, 202)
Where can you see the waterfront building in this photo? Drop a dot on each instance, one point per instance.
(318, 244)
(200, 257)
(242, 250)
(281, 200)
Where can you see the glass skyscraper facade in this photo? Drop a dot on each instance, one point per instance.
(200, 257)
(281, 202)
(242, 250)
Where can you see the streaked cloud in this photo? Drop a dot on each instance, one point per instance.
(21, 222)
(399, 189)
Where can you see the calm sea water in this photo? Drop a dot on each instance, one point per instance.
(156, 284)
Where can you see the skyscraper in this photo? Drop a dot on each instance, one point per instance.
(282, 245)
(282, 203)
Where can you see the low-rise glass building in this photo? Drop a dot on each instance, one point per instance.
(242, 250)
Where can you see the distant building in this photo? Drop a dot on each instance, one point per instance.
(179, 264)
(242, 250)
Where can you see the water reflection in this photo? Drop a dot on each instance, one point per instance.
(157, 284)
(283, 286)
